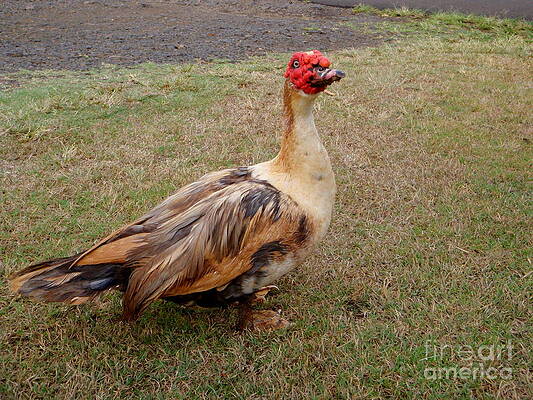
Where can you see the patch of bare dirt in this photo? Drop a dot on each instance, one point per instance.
(82, 34)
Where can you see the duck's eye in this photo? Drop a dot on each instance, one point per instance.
(296, 64)
(321, 69)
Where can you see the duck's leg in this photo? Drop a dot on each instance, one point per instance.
(260, 320)
(260, 295)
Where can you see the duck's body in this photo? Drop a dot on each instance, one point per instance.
(217, 240)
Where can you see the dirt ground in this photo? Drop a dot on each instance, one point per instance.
(82, 34)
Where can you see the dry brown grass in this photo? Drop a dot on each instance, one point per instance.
(431, 145)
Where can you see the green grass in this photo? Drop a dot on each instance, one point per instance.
(430, 241)
(404, 20)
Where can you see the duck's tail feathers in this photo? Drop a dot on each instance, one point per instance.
(60, 280)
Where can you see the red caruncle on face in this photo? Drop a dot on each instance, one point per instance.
(301, 70)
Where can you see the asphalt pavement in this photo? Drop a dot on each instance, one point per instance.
(502, 8)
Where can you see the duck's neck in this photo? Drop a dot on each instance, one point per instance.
(300, 145)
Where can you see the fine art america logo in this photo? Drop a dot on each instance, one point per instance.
(482, 362)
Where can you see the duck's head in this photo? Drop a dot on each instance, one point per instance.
(310, 72)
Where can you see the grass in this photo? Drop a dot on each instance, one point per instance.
(412, 21)
(430, 244)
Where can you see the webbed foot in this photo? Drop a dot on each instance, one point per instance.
(263, 320)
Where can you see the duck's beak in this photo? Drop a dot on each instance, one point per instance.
(332, 75)
(327, 77)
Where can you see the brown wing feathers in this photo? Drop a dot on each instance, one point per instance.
(113, 248)
(198, 239)
(228, 228)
